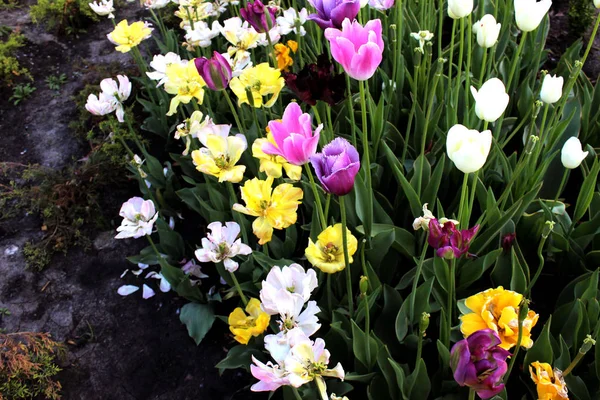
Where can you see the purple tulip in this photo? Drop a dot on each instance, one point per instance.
(358, 49)
(448, 241)
(479, 363)
(216, 71)
(337, 166)
(260, 17)
(331, 13)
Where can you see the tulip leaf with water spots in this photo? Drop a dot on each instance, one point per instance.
(417, 385)
(586, 193)
(542, 347)
(198, 318)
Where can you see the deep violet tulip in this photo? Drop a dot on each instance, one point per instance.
(331, 13)
(337, 166)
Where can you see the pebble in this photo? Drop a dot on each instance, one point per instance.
(11, 250)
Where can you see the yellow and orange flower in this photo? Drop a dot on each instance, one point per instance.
(244, 326)
(282, 54)
(550, 383)
(498, 309)
(275, 208)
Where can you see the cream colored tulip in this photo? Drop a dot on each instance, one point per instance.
(529, 13)
(468, 148)
(458, 9)
(572, 154)
(551, 89)
(491, 100)
(487, 31)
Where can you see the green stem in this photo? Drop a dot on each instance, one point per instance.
(450, 305)
(513, 358)
(296, 394)
(416, 282)
(329, 295)
(471, 394)
(367, 327)
(313, 185)
(240, 125)
(471, 200)
(351, 112)
(483, 63)
(239, 218)
(239, 289)
(367, 157)
(419, 347)
(450, 66)
(463, 197)
(461, 50)
(468, 68)
(540, 266)
(440, 12)
(516, 59)
(563, 181)
(346, 257)
(573, 364)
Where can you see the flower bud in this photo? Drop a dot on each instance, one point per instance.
(551, 89)
(531, 144)
(487, 31)
(424, 322)
(529, 13)
(491, 100)
(548, 228)
(363, 285)
(216, 72)
(458, 9)
(572, 154)
(588, 342)
(467, 148)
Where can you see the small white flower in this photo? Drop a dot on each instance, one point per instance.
(239, 63)
(422, 37)
(160, 63)
(101, 104)
(491, 100)
(103, 8)
(139, 216)
(222, 244)
(292, 279)
(290, 20)
(572, 153)
(111, 98)
(273, 34)
(126, 290)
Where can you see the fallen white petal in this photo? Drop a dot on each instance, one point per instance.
(126, 290)
(147, 292)
(124, 273)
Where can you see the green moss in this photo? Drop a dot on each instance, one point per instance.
(66, 16)
(10, 69)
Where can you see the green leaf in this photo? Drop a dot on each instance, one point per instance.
(364, 202)
(239, 356)
(417, 385)
(586, 193)
(542, 348)
(413, 198)
(359, 346)
(482, 240)
(472, 270)
(198, 318)
(518, 282)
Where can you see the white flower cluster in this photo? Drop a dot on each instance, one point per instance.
(111, 98)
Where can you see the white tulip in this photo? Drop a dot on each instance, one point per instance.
(459, 8)
(597, 3)
(139, 216)
(487, 31)
(551, 89)
(103, 8)
(491, 100)
(467, 148)
(222, 244)
(529, 13)
(572, 154)
(293, 279)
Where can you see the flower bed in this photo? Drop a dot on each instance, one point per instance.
(361, 120)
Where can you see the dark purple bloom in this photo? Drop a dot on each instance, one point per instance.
(508, 240)
(479, 363)
(317, 82)
(216, 71)
(331, 13)
(448, 241)
(261, 17)
(337, 166)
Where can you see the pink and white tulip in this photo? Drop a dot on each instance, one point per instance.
(222, 244)
(139, 216)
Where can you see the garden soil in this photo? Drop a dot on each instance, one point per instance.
(119, 347)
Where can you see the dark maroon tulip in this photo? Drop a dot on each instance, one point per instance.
(448, 241)
(216, 71)
(508, 241)
(331, 13)
(261, 17)
(337, 166)
(317, 82)
(479, 363)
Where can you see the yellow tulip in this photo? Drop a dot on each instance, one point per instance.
(498, 309)
(550, 383)
(261, 80)
(244, 326)
(127, 36)
(282, 54)
(219, 157)
(327, 253)
(275, 208)
(185, 83)
(272, 165)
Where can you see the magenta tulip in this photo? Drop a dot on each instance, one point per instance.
(294, 137)
(259, 16)
(337, 166)
(448, 241)
(216, 71)
(358, 49)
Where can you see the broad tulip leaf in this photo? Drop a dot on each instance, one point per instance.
(198, 318)
(542, 348)
(586, 192)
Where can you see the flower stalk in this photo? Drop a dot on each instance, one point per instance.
(346, 257)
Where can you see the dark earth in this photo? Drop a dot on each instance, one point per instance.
(119, 347)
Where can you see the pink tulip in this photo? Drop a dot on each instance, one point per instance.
(293, 135)
(359, 49)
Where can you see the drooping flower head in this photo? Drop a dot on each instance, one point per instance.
(358, 49)
(293, 135)
(139, 216)
(293, 279)
(480, 363)
(275, 208)
(259, 81)
(253, 322)
(216, 72)
(317, 82)
(185, 83)
(127, 36)
(272, 165)
(336, 166)
(331, 13)
(261, 17)
(549, 382)
(327, 253)
(220, 154)
(448, 241)
(498, 310)
(222, 244)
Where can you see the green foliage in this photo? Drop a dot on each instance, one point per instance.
(8, 4)
(54, 82)
(28, 366)
(22, 92)
(581, 16)
(10, 69)
(64, 16)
